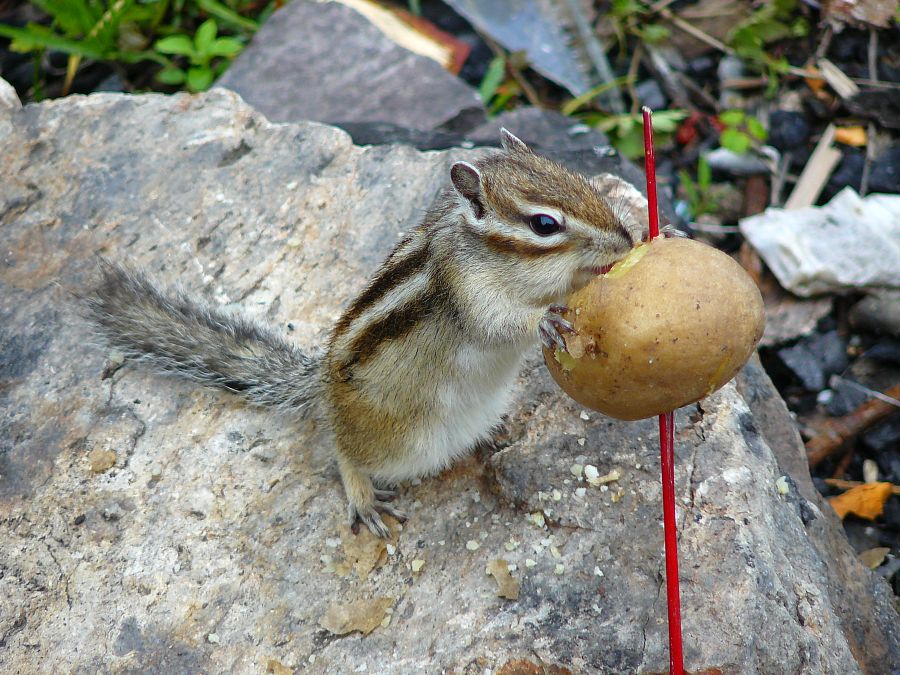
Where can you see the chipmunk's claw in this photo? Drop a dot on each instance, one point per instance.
(670, 231)
(552, 326)
(371, 518)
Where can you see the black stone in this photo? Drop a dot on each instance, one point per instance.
(813, 359)
(788, 130)
(885, 170)
(848, 173)
(845, 399)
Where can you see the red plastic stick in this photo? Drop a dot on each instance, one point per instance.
(650, 170)
(666, 446)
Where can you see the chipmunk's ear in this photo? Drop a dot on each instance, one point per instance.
(467, 181)
(512, 143)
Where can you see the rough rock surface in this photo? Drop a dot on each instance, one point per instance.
(149, 526)
(326, 62)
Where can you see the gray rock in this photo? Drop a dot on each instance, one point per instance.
(8, 97)
(216, 542)
(650, 94)
(878, 313)
(538, 28)
(546, 130)
(326, 62)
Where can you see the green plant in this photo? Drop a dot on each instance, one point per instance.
(775, 20)
(207, 54)
(89, 29)
(626, 132)
(123, 33)
(741, 130)
(492, 79)
(699, 195)
(635, 18)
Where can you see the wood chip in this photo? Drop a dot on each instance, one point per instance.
(866, 501)
(816, 172)
(507, 586)
(361, 615)
(837, 80)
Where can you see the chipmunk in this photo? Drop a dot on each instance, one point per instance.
(419, 367)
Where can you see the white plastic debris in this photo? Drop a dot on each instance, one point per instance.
(850, 244)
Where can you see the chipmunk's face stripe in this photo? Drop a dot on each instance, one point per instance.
(509, 244)
(388, 279)
(512, 181)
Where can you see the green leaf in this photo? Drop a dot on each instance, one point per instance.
(492, 79)
(582, 99)
(34, 37)
(171, 76)
(631, 144)
(205, 35)
(229, 17)
(74, 17)
(625, 8)
(732, 118)
(756, 129)
(225, 46)
(693, 194)
(625, 124)
(666, 121)
(734, 140)
(654, 33)
(176, 44)
(199, 78)
(704, 173)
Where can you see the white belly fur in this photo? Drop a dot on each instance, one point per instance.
(469, 405)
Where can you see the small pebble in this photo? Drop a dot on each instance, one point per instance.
(782, 485)
(870, 471)
(529, 563)
(560, 569)
(472, 545)
(511, 545)
(417, 565)
(391, 549)
(557, 495)
(213, 639)
(597, 571)
(591, 472)
(582, 441)
(576, 470)
(584, 416)
(580, 492)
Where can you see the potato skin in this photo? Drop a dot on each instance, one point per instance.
(667, 326)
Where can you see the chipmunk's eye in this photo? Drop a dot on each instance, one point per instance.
(543, 225)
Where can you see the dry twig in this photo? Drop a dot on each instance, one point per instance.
(834, 433)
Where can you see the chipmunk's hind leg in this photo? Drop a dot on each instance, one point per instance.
(365, 503)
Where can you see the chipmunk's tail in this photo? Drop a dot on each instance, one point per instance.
(185, 336)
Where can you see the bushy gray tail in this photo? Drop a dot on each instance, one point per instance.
(187, 337)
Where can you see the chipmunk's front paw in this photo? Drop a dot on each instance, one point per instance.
(552, 326)
(371, 518)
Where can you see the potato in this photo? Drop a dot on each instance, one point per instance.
(666, 326)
